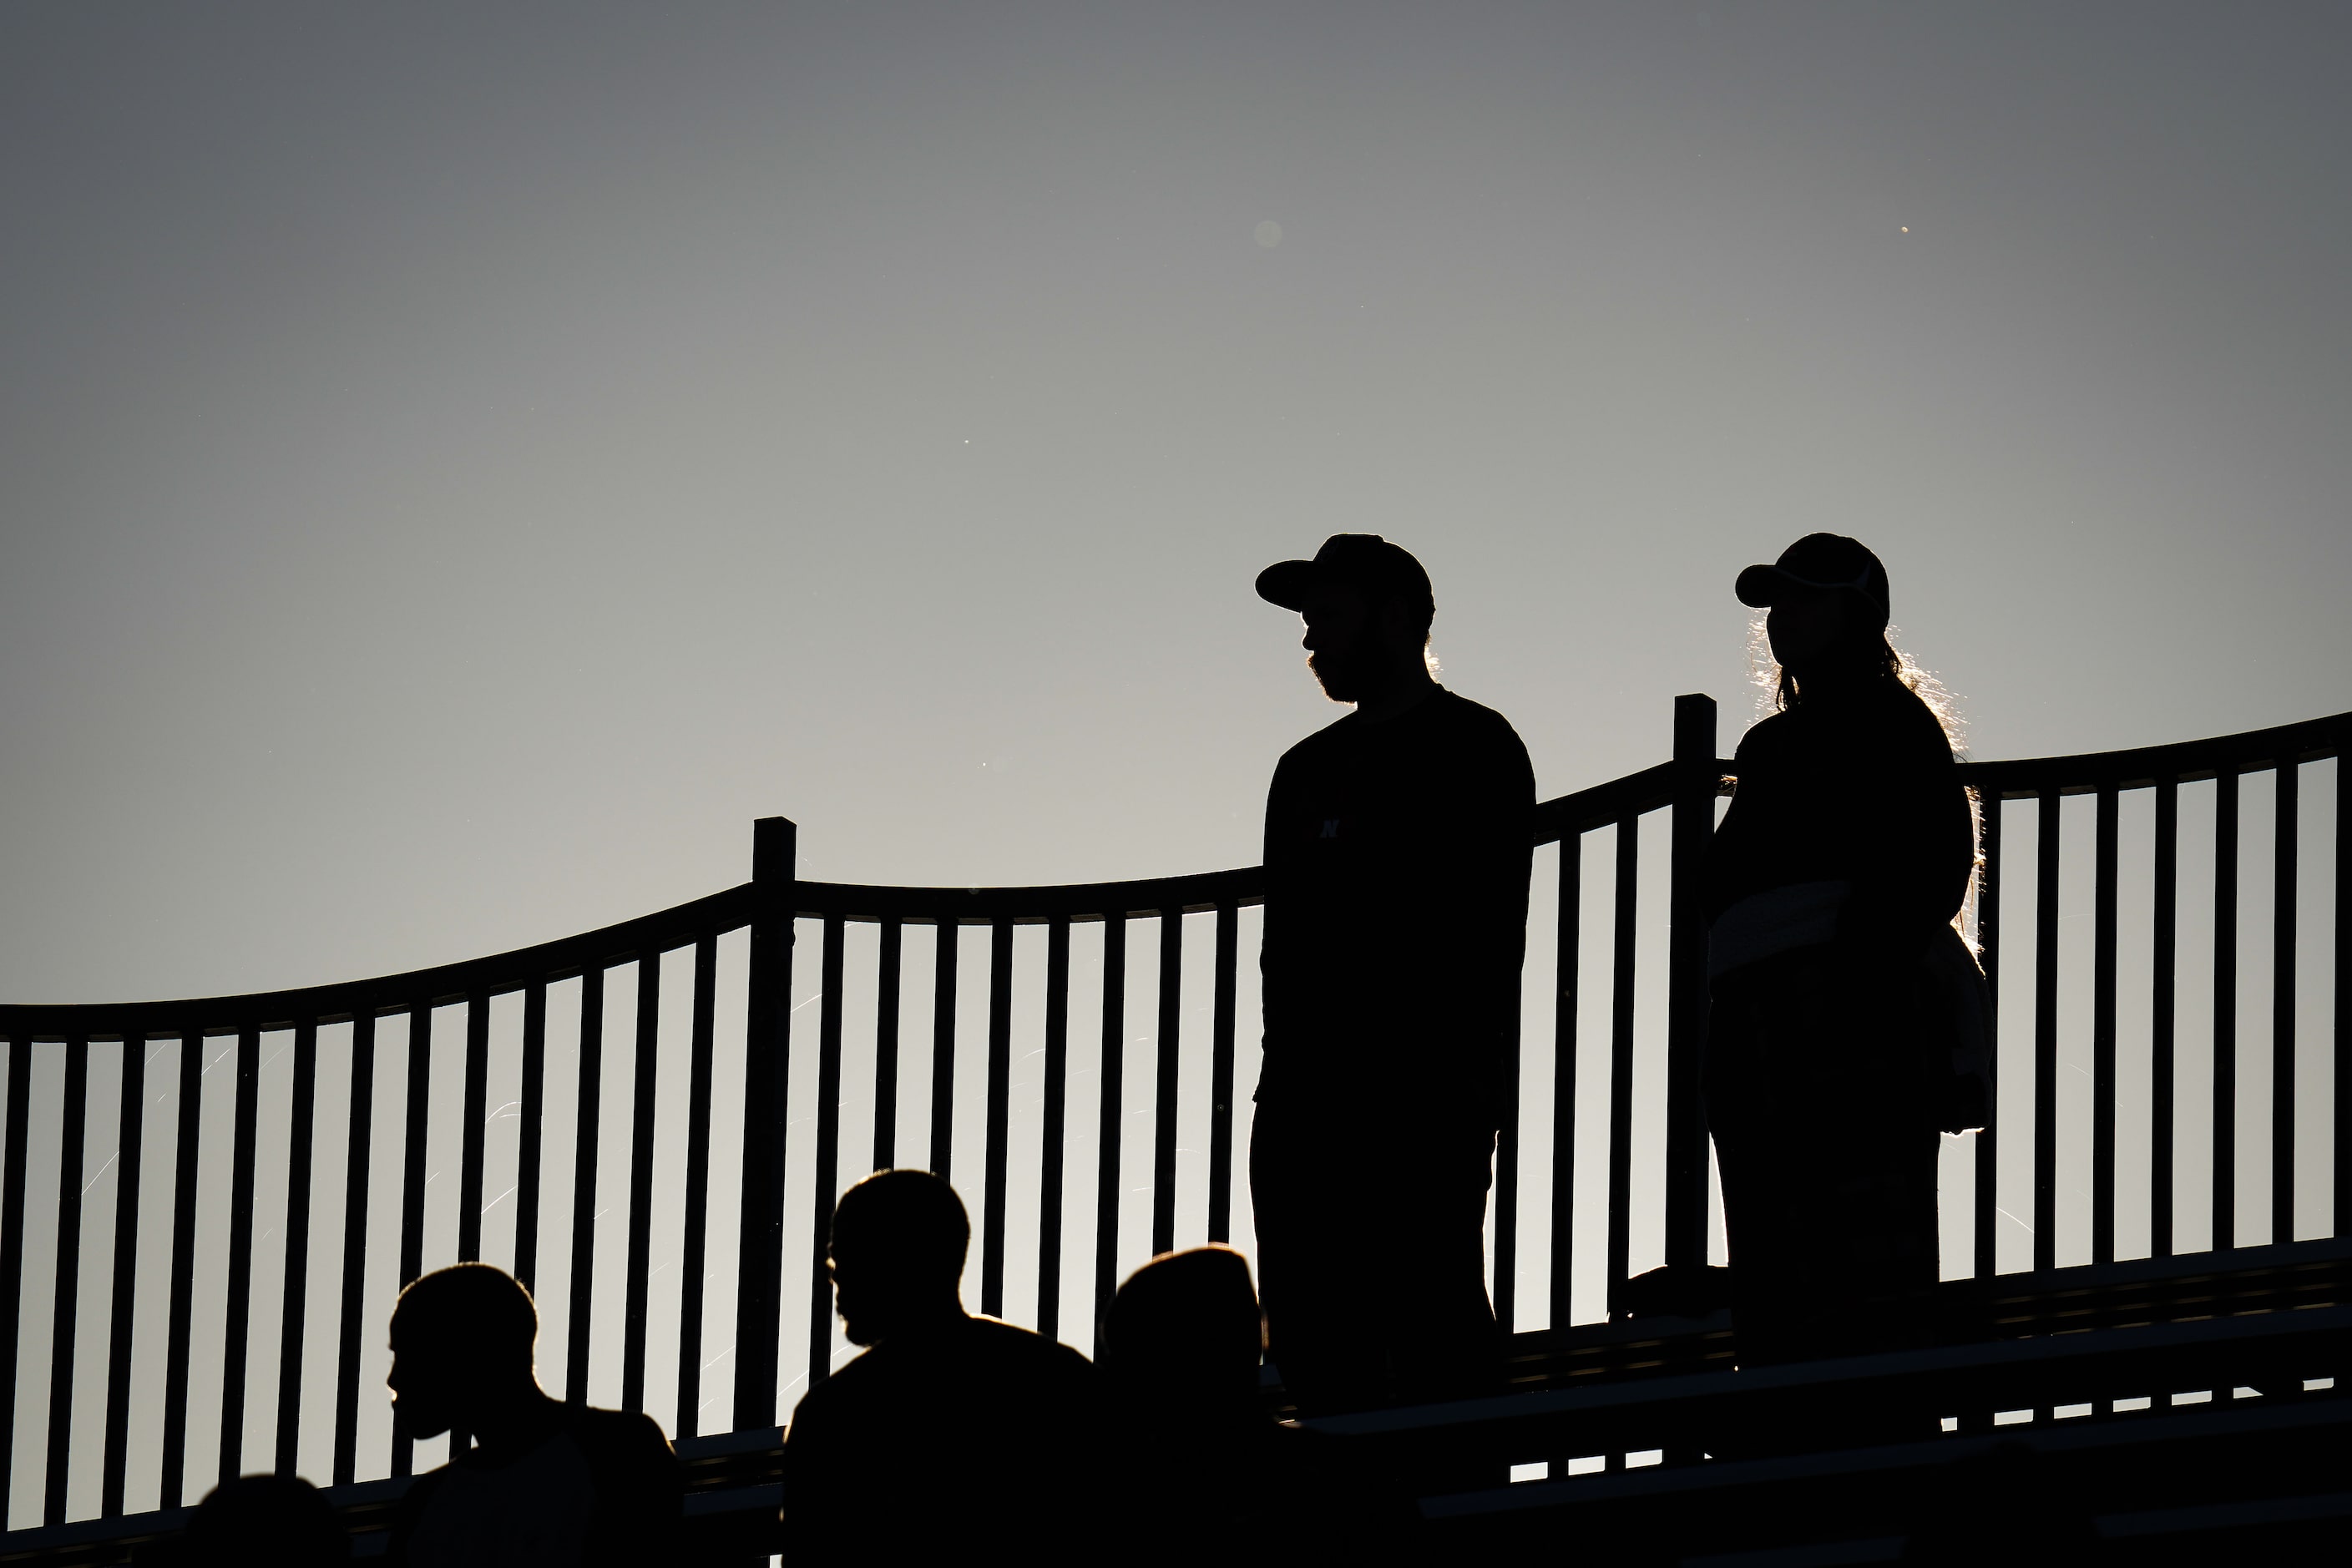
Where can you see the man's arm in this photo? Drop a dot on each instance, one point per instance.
(1281, 985)
(1477, 859)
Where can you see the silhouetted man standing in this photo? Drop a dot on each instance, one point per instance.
(549, 1484)
(1397, 850)
(952, 1435)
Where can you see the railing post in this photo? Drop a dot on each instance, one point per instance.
(767, 1037)
(1686, 993)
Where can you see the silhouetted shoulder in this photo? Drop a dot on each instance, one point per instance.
(1331, 739)
(1918, 724)
(613, 1469)
(1450, 709)
(932, 1440)
(1050, 1357)
(639, 1484)
(1892, 719)
(625, 1445)
(976, 1354)
(1445, 719)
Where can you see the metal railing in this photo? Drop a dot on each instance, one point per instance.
(1645, 1193)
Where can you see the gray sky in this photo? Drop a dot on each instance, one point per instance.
(459, 465)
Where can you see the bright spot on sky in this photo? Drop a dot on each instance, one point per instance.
(1906, 229)
(1269, 234)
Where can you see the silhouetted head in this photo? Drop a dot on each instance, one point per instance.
(1826, 624)
(1185, 1334)
(1368, 607)
(897, 1259)
(1828, 602)
(265, 1522)
(461, 1337)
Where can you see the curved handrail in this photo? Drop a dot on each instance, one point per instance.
(2185, 762)
(1077, 902)
(340, 1001)
(1581, 811)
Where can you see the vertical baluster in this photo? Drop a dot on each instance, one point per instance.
(641, 1093)
(297, 1296)
(1051, 1155)
(352, 1298)
(943, 1064)
(581, 1305)
(65, 1295)
(1221, 1075)
(824, 1181)
(2225, 1010)
(885, 1046)
(238, 1330)
(12, 1254)
(1164, 1105)
(130, 1134)
(2045, 1032)
(766, 1042)
(418, 1123)
(1107, 1140)
(2287, 829)
(2103, 1031)
(2340, 982)
(694, 1264)
(474, 1130)
(183, 1265)
(2163, 951)
(998, 1133)
(1567, 947)
(1986, 1175)
(1621, 1055)
(531, 1133)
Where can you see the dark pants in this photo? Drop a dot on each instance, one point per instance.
(1815, 1097)
(1372, 1256)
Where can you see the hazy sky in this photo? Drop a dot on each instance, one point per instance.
(459, 465)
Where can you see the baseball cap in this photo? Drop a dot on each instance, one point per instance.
(1817, 560)
(1364, 562)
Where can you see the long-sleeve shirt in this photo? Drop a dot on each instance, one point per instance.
(1397, 857)
(1856, 787)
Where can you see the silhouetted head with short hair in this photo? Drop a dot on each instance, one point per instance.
(462, 1337)
(1184, 1336)
(264, 1521)
(897, 1257)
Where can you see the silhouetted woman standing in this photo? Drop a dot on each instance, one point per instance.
(1833, 884)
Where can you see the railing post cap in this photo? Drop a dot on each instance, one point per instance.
(775, 850)
(1694, 728)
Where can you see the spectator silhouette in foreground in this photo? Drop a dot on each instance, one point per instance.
(1397, 850)
(1837, 1042)
(257, 1522)
(951, 1434)
(1205, 1473)
(545, 1482)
